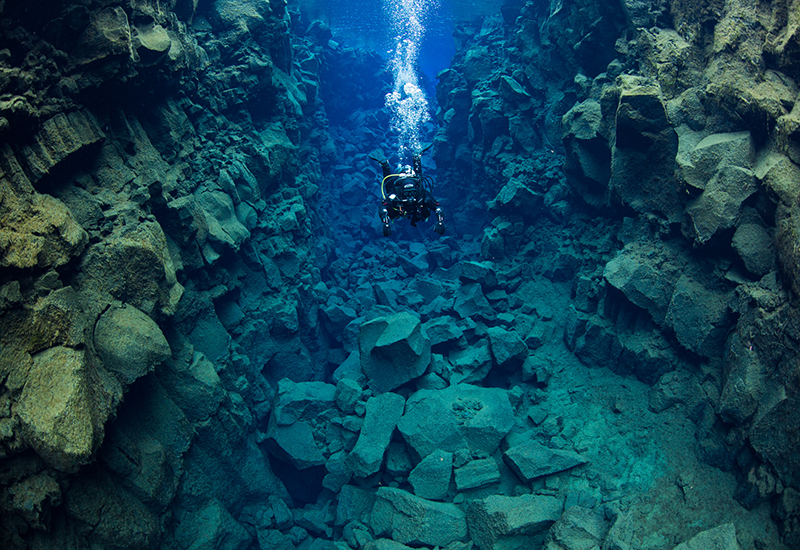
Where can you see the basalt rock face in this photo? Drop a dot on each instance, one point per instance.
(158, 188)
(674, 222)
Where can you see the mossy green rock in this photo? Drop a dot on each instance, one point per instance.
(57, 409)
(129, 342)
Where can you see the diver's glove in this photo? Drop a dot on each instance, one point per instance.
(378, 156)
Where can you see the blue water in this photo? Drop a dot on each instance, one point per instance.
(364, 23)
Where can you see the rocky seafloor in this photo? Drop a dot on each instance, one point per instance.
(206, 344)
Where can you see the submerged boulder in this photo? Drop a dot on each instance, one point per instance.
(394, 350)
(531, 459)
(699, 316)
(297, 424)
(507, 347)
(755, 247)
(383, 412)
(129, 342)
(643, 155)
(133, 265)
(409, 519)
(722, 537)
(431, 477)
(60, 415)
(497, 519)
(37, 231)
(460, 417)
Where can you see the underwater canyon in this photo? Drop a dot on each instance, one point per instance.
(207, 343)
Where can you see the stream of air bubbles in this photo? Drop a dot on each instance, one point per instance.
(406, 101)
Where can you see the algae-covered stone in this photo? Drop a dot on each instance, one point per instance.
(394, 350)
(774, 433)
(383, 413)
(409, 519)
(224, 228)
(755, 247)
(787, 236)
(117, 517)
(588, 160)
(718, 207)
(531, 459)
(744, 382)
(58, 412)
(133, 265)
(151, 42)
(108, 35)
(33, 497)
(495, 519)
(643, 156)
(129, 342)
(37, 231)
(715, 152)
(460, 417)
(59, 138)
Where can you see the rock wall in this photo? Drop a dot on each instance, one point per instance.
(160, 166)
(675, 222)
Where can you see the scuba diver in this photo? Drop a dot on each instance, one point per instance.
(407, 194)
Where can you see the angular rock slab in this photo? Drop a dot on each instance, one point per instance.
(394, 350)
(442, 330)
(460, 417)
(578, 527)
(644, 282)
(383, 413)
(133, 265)
(718, 207)
(59, 138)
(699, 316)
(643, 155)
(477, 473)
(300, 410)
(722, 537)
(754, 245)
(507, 347)
(495, 518)
(129, 342)
(530, 460)
(471, 303)
(431, 477)
(409, 519)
